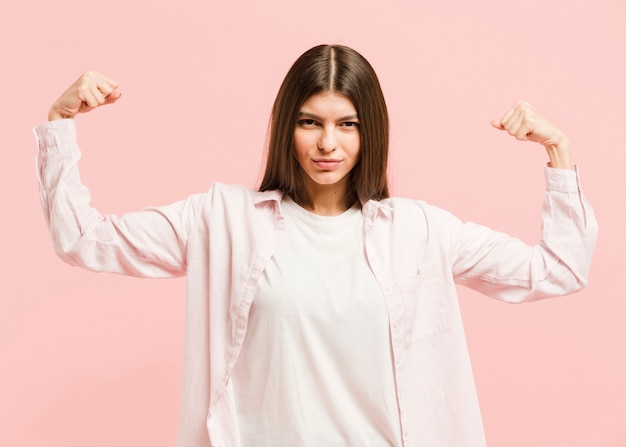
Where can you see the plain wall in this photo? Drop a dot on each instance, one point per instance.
(96, 359)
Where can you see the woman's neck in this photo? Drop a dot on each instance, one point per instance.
(327, 200)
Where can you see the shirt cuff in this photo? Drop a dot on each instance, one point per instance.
(57, 137)
(562, 180)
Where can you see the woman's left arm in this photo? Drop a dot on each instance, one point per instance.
(510, 270)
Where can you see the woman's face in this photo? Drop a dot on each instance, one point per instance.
(327, 139)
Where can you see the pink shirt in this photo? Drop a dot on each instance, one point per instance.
(222, 240)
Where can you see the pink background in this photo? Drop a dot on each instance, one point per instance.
(96, 359)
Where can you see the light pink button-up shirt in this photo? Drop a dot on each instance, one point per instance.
(222, 240)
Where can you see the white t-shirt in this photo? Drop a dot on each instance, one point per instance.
(316, 364)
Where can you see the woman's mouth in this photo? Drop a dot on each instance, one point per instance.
(326, 164)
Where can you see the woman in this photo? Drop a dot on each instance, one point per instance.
(320, 311)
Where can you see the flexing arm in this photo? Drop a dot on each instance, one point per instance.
(508, 269)
(150, 243)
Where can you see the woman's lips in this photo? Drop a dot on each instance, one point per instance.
(327, 165)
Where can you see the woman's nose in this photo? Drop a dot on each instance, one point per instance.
(328, 140)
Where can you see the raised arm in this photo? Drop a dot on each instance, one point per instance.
(148, 243)
(508, 269)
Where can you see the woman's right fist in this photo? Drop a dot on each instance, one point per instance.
(91, 90)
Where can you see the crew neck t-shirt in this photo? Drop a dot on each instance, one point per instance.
(316, 364)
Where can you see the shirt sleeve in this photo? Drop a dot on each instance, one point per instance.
(506, 268)
(149, 243)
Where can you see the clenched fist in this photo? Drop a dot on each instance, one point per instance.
(91, 90)
(525, 123)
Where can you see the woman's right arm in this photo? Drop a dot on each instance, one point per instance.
(149, 243)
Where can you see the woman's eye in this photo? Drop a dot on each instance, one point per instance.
(306, 122)
(350, 124)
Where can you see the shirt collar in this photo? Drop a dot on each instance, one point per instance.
(372, 208)
(259, 197)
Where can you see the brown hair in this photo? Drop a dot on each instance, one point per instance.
(339, 69)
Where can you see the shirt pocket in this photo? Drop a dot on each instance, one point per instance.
(425, 311)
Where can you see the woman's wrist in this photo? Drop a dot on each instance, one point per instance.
(54, 114)
(560, 154)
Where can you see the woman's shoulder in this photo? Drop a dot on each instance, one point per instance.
(408, 204)
(231, 189)
(234, 195)
(408, 208)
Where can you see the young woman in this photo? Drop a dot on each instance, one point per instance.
(320, 311)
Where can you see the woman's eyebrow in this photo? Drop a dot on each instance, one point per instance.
(319, 118)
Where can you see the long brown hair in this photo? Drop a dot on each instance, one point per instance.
(339, 69)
